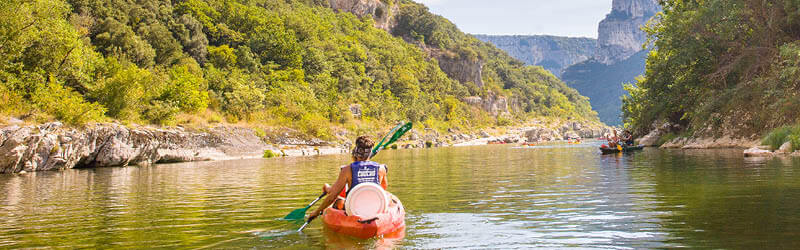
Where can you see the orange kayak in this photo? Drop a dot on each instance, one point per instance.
(385, 223)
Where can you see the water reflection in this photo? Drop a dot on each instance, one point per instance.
(553, 195)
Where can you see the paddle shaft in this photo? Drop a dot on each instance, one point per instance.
(304, 225)
(315, 201)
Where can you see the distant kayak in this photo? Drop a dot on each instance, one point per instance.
(624, 149)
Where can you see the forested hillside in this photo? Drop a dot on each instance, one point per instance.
(288, 63)
(720, 67)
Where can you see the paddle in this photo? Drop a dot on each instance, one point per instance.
(299, 214)
(397, 132)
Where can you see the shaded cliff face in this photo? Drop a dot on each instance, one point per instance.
(603, 83)
(553, 53)
(619, 34)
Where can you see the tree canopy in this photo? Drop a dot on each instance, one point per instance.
(289, 63)
(720, 64)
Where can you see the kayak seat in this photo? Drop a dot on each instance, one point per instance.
(367, 201)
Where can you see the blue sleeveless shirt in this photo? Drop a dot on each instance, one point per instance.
(365, 172)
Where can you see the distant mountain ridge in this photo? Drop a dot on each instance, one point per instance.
(553, 53)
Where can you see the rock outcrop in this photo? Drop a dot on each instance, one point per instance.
(461, 69)
(382, 13)
(494, 104)
(553, 53)
(52, 146)
(758, 152)
(619, 34)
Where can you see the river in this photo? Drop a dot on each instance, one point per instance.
(498, 196)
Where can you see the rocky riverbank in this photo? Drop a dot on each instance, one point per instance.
(751, 144)
(764, 151)
(53, 146)
(663, 135)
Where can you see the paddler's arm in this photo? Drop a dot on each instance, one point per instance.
(334, 192)
(384, 178)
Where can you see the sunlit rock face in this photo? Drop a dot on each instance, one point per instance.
(382, 13)
(620, 34)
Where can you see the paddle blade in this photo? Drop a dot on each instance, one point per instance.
(297, 214)
(399, 133)
(395, 134)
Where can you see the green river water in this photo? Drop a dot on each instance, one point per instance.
(555, 196)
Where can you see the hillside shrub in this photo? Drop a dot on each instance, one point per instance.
(65, 104)
(777, 137)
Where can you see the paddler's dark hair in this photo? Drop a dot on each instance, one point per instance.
(363, 148)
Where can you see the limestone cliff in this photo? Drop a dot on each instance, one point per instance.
(493, 103)
(619, 58)
(619, 34)
(381, 12)
(553, 53)
(456, 67)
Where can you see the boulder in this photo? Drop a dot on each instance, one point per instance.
(355, 109)
(757, 152)
(650, 139)
(786, 148)
(577, 126)
(414, 136)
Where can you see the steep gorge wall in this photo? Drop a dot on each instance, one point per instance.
(619, 34)
(553, 53)
(619, 58)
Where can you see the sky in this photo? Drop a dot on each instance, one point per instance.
(573, 18)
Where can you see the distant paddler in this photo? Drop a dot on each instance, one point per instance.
(627, 138)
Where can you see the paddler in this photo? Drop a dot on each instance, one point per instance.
(627, 138)
(613, 142)
(362, 169)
